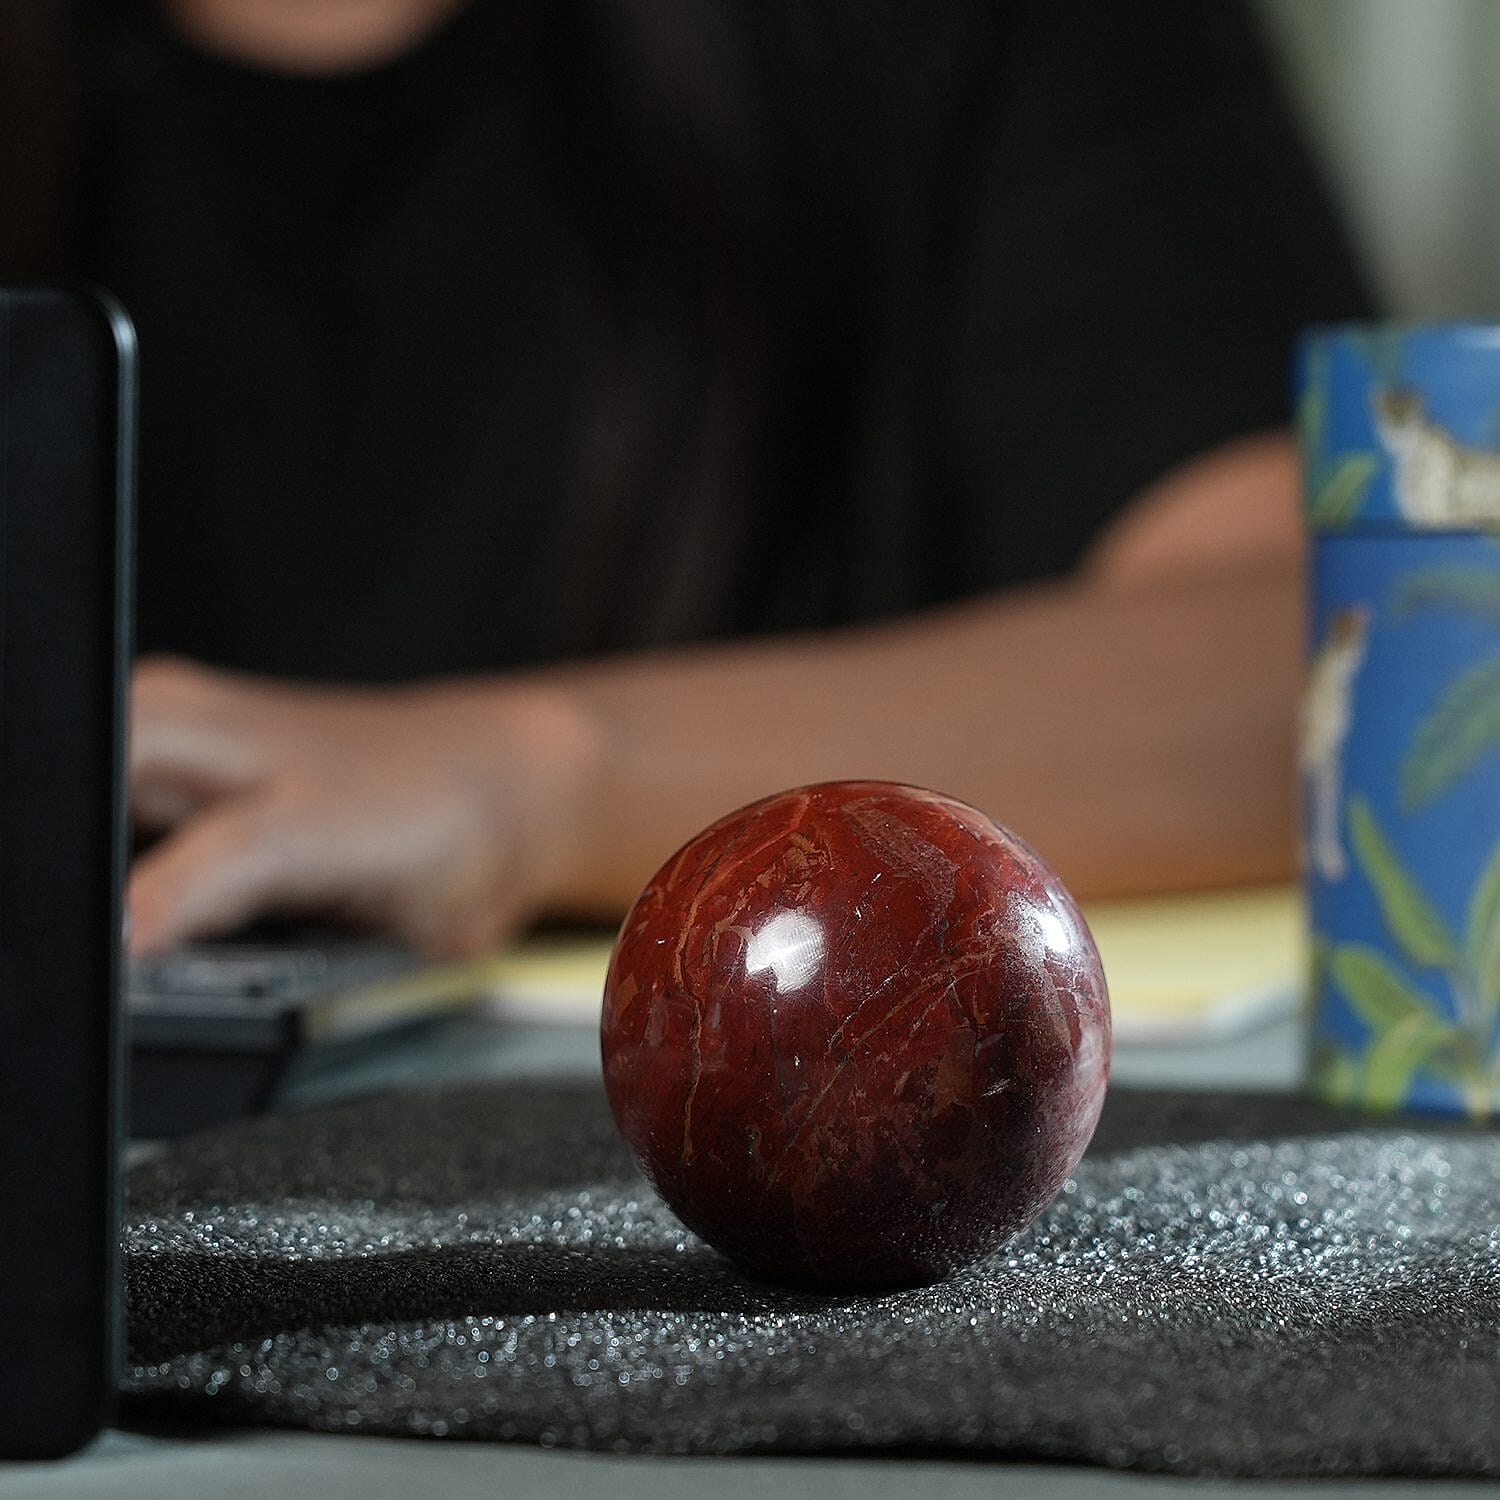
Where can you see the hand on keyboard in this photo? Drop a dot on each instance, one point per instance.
(441, 815)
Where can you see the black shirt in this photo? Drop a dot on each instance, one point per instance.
(358, 360)
(1072, 244)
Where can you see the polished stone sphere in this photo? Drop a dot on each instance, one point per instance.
(856, 1034)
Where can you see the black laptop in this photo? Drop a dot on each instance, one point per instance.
(67, 381)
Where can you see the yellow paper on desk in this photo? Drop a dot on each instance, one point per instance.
(1180, 969)
(1202, 967)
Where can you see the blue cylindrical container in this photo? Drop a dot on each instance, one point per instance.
(1400, 733)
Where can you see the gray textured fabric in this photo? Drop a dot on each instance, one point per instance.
(1243, 1285)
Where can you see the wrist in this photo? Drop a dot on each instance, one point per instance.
(534, 768)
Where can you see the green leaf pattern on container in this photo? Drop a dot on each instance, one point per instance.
(1414, 922)
(1460, 730)
(1471, 590)
(1336, 489)
(1338, 494)
(1410, 1031)
(1482, 951)
(1381, 995)
(1396, 1057)
(1461, 727)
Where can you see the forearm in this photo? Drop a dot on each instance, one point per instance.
(1134, 722)
(1140, 737)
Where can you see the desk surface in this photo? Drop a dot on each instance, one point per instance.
(242, 1462)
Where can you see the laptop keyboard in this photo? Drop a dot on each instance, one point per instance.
(277, 975)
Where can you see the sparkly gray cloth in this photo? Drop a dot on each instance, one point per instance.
(1242, 1285)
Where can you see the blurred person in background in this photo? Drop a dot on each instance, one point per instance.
(564, 422)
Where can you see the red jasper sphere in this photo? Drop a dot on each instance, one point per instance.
(856, 1034)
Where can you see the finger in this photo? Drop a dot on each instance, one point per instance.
(192, 725)
(159, 802)
(213, 874)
